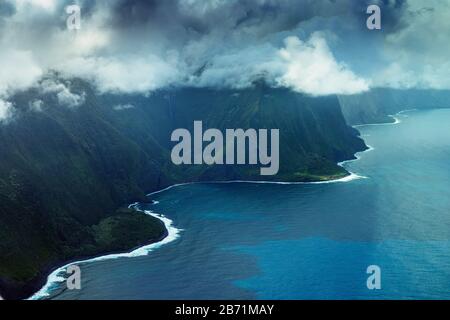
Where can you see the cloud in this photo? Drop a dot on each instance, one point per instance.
(6, 110)
(69, 99)
(139, 46)
(126, 74)
(63, 94)
(305, 66)
(36, 105)
(136, 46)
(44, 4)
(121, 107)
(312, 68)
(239, 68)
(19, 70)
(417, 54)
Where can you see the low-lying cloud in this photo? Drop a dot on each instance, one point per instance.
(36, 105)
(5, 110)
(130, 74)
(312, 68)
(63, 94)
(418, 54)
(19, 71)
(121, 107)
(136, 46)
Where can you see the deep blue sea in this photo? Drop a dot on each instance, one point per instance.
(304, 241)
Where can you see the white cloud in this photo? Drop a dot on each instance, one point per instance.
(63, 94)
(305, 66)
(36, 105)
(393, 76)
(5, 110)
(69, 99)
(125, 74)
(239, 68)
(19, 70)
(45, 4)
(311, 68)
(234, 46)
(121, 107)
(417, 53)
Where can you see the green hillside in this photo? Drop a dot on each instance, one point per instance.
(376, 105)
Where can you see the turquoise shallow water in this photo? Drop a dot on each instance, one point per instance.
(308, 241)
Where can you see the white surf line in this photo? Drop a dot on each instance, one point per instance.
(350, 177)
(405, 111)
(396, 121)
(394, 116)
(56, 276)
(357, 156)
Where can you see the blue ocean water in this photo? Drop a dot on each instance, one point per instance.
(304, 241)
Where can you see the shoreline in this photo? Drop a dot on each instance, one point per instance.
(393, 116)
(173, 233)
(55, 278)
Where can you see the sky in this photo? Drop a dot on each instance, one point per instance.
(317, 47)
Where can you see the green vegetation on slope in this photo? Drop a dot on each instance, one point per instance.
(376, 105)
(127, 229)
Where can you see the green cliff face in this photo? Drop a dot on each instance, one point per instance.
(65, 171)
(376, 105)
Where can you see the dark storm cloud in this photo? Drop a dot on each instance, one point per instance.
(392, 13)
(6, 8)
(182, 19)
(205, 16)
(142, 45)
(173, 23)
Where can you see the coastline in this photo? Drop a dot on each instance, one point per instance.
(173, 233)
(352, 176)
(393, 116)
(54, 277)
